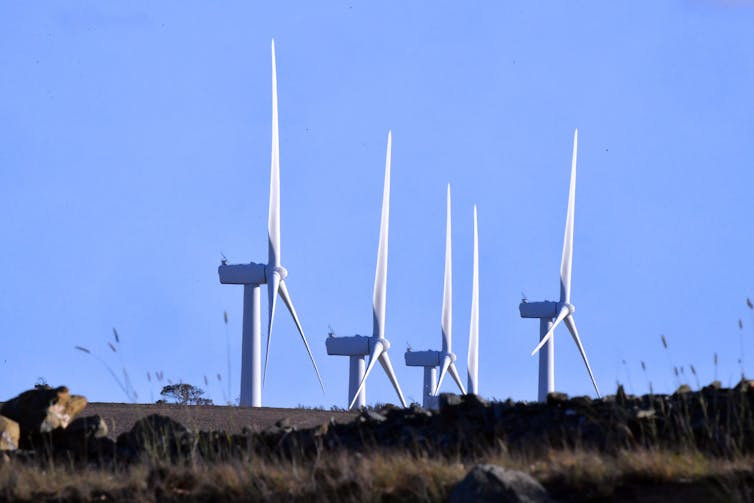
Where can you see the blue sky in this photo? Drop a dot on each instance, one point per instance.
(135, 148)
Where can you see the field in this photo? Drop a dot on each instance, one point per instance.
(120, 417)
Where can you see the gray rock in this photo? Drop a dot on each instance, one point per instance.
(492, 483)
(371, 416)
(683, 389)
(449, 400)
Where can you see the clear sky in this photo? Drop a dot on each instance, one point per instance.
(135, 148)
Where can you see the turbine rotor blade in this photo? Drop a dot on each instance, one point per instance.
(473, 355)
(567, 259)
(571, 324)
(378, 349)
(380, 276)
(443, 370)
(388, 368)
(456, 377)
(564, 311)
(289, 304)
(447, 291)
(273, 219)
(273, 284)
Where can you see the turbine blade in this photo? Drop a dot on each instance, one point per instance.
(567, 258)
(571, 324)
(273, 220)
(388, 367)
(447, 291)
(564, 311)
(289, 304)
(378, 348)
(380, 276)
(443, 370)
(473, 356)
(456, 377)
(273, 284)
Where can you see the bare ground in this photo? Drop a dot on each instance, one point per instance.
(120, 417)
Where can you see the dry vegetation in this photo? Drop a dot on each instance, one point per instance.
(385, 476)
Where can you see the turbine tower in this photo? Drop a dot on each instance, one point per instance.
(444, 359)
(562, 310)
(357, 347)
(473, 356)
(273, 274)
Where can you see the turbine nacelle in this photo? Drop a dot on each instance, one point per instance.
(353, 345)
(428, 358)
(544, 309)
(243, 274)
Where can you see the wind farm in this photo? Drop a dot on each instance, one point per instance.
(196, 212)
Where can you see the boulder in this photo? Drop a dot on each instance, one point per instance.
(682, 390)
(89, 426)
(82, 438)
(492, 483)
(150, 430)
(43, 409)
(9, 433)
(372, 416)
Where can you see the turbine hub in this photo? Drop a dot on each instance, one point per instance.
(571, 308)
(385, 344)
(282, 271)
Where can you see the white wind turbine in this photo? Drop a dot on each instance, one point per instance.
(357, 347)
(444, 359)
(559, 311)
(252, 275)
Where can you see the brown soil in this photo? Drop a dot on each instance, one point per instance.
(120, 417)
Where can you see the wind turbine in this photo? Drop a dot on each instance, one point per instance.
(273, 274)
(444, 359)
(357, 347)
(562, 310)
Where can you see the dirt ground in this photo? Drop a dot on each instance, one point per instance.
(120, 417)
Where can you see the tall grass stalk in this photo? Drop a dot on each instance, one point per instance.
(670, 359)
(109, 369)
(227, 355)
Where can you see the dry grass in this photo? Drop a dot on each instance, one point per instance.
(380, 476)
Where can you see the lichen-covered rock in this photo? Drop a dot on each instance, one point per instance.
(492, 483)
(43, 409)
(9, 433)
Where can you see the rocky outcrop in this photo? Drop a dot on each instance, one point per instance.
(9, 434)
(495, 484)
(713, 420)
(43, 409)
